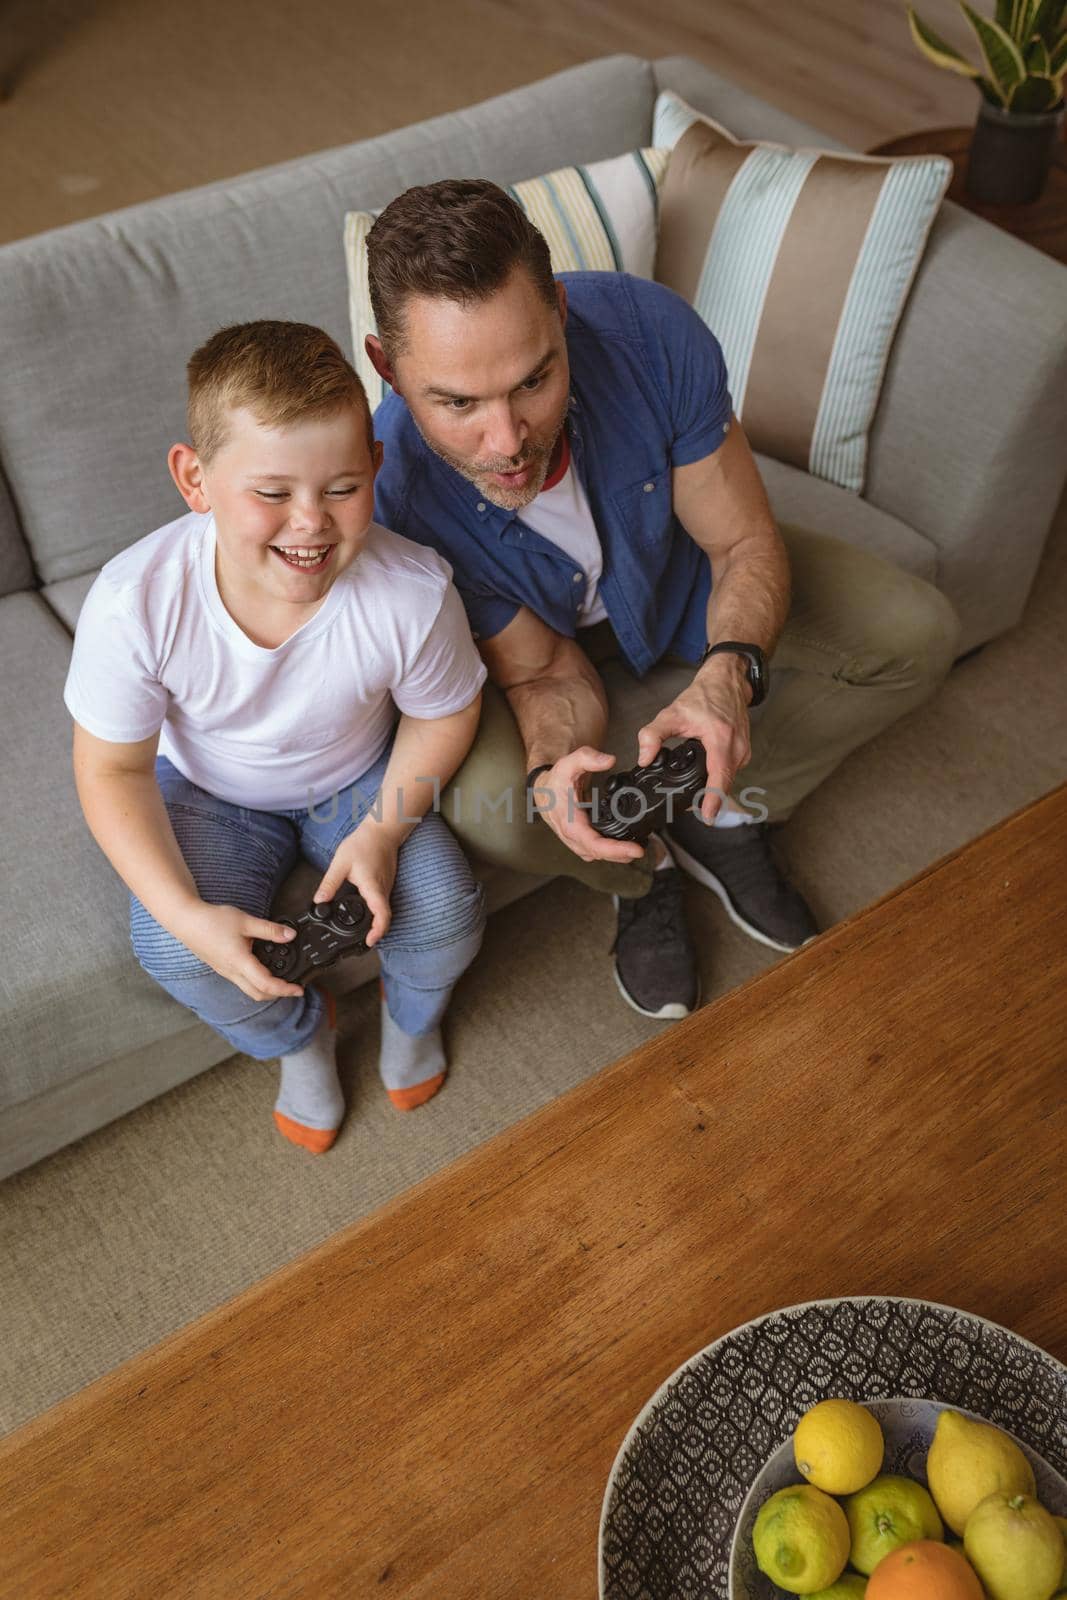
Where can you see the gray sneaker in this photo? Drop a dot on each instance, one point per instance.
(737, 865)
(655, 965)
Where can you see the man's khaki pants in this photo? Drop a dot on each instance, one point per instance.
(864, 643)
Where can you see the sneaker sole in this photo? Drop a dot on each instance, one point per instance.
(696, 870)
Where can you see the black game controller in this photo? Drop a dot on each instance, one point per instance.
(324, 933)
(632, 804)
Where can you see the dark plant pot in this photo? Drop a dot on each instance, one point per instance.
(1011, 153)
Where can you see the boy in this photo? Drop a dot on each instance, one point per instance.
(235, 683)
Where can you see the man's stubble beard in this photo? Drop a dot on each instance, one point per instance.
(506, 499)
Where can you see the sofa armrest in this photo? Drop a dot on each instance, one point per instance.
(968, 441)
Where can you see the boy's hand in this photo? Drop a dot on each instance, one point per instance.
(222, 936)
(367, 858)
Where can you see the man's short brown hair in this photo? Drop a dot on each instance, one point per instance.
(460, 239)
(280, 371)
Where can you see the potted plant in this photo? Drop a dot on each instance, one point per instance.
(1024, 52)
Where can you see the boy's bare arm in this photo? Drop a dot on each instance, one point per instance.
(124, 809)
(127, 817)
(425, 754)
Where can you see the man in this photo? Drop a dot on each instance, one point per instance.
(569, 445)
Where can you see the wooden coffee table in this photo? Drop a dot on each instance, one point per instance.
(429, 1404)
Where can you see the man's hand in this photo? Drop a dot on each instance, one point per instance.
(559, 809)
(222, 936)
(713, 709)
(367, 859)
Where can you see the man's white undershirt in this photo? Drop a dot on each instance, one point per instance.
(561, 514)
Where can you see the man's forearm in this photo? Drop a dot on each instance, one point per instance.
(749, 598)
(559, 714)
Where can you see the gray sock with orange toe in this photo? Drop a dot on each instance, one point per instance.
(412, 1065)
(310, 1104)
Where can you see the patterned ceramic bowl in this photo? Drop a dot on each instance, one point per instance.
(908, 1426)
(690, 1460)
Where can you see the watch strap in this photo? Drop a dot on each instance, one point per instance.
(535, 772)
(756, 670)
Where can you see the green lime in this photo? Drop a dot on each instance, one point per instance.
(801, 1539)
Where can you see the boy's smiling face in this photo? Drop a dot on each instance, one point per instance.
(292, 506)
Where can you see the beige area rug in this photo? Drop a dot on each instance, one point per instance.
(116, 1241)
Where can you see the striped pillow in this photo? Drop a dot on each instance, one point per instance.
(597, 218)
(800, 261)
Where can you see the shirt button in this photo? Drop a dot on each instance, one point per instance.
(649, 487)
(726, 427)
(481, 505)
(577, 578)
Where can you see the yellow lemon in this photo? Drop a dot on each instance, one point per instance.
(1015, 1547)
(801, 1539)
(968, 1461)
(885, 1514)
(838, 1446)
(1061, 1523)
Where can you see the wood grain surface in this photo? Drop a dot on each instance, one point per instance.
(108, 104)
(429, 1404)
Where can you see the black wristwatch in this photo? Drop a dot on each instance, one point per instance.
(755, 665)
(535, 772)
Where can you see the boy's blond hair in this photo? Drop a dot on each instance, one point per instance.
(280, 371)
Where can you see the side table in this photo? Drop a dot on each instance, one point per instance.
(1042, 223)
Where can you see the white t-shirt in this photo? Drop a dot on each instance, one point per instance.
(275, 730)
(562, 515)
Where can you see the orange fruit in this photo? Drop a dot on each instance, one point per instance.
(925, 1570)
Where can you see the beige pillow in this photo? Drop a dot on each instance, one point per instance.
(596, 218)
(800, 262)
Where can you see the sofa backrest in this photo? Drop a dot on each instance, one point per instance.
(97, 320)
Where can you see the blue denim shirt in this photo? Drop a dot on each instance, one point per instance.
(648, 393)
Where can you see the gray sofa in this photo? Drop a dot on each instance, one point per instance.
(96, 321)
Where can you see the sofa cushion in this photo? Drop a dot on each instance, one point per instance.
(16, 572)
(600, 218)
(71, 994)
(98, 320)
(800, 261)
(813, 503)
(68, 596)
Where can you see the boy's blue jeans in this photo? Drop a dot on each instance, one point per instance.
(240, 857)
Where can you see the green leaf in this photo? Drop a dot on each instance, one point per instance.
(1057, 62)
(989, 93)
(1047, 20)
(999, 50)
(1037, 62)
(1022, 15)
(1003, 13)
(1035, 94)
(935, 49)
